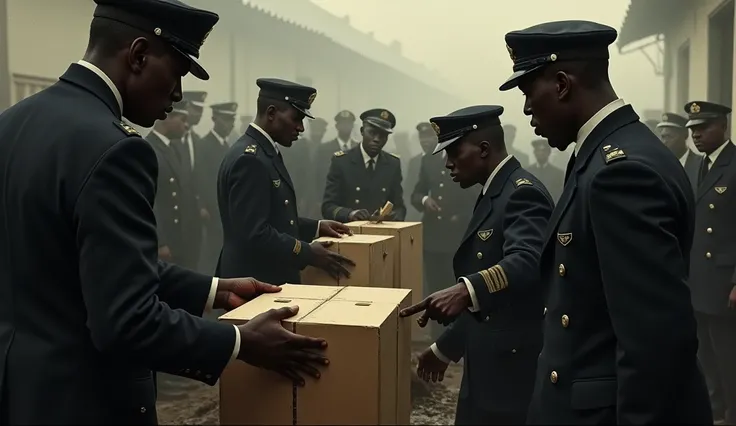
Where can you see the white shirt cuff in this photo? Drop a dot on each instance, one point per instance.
(475, 305)
(438, 354)
(424, 199)
(236, 349)
(211, 296)
(316, 234)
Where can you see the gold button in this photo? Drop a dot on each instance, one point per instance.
(176, 207)
(173, 194)
(709, 230)
(383, 189)
(442, 185)
(545, 311)
(439, 198)
(562, 269)
(176, 220)
(486, 319)
(442, 172)
(565, 321)
(711, 206)
(286, 202)
(439, 217)
(513, 351)
(143, 410)
(171, 180)
(357, 188)
(357, 201)
(553, 377)
(708, 255)
(480, 255)
(291, 222)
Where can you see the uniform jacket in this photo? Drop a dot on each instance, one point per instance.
(82, 322)
(264, 236)
(692, 168)
(350, 187)
(620, 336)
(210, 153)
(443, 229)
(552, 178)
(499, 255)
(713, 258)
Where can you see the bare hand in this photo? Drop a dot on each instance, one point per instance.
(330, 262)
(331, 228)
(431, 205)
(429, 367)
(361, 214)
(164, 253)
(204, 214)
(234, 292)
(442, 306)
(732, 298)
(265, 343)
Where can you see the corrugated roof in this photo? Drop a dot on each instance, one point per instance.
(646, 18)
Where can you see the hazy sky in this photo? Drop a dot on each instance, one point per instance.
(463, 40)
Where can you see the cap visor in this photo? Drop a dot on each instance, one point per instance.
(303, 111)
(668, 124)
(513, 81)
(380, 124)
(442, 145)
(695, 122)
(196, 69)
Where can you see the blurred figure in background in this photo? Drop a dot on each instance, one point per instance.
(552, 177)
(509, 131)
(674, 134)
(302, 161)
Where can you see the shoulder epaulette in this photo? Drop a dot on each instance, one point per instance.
(522, 181)
(126, 128)
(251, 149)
(612, 153)
(392, 154)
(339, 153)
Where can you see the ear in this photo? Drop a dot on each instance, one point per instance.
(271, 112)
(361, 130)
(485, 149)
(562, 83)
(138, 53)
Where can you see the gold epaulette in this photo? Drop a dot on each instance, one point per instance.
(612, 153)
(251, 149)
(339, 153)
(126, 128)
(522, 181)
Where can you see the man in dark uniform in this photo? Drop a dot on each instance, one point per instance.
(674, 135)
(212, 148)
(446, 209)
(344, 124)
(496, 273)
(427, 142)
(86, 309)
(362, 179)
(264, 235)
(195, 106)
(620, 342)
(304, 163)
(552, 177)
(713, 258)
(509, 130)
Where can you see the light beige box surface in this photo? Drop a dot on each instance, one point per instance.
(364, 383)
(374, 259)
(300, 291)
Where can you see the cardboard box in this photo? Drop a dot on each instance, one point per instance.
(300, 291)
(401, 298)
(374, 259)
(365, 381)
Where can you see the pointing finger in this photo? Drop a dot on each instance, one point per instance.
(413, 309)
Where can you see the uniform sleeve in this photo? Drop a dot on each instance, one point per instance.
(308, 229)
(183, 289)
(635, 221)
(249, 191)
(421, 189)
(397, 195)
(451, 342)
(119, 273)
(331, 208)
(524, 226)
(161, 231)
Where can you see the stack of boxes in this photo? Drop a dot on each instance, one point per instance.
(368, 379)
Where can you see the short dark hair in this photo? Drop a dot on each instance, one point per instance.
(495, 137)
(108, 37)
(592, 74)
(262, 104)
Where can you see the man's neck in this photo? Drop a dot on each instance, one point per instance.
(593, 103)
(343, 140)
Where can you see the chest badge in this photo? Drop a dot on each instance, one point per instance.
(564, 238)
(277, 183)
(720, 189)
(485, 235)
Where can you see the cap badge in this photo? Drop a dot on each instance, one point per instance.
(311, 99)
(384, 115)
(205, 36)
(694, 108)
(345, 114)
(436, 128)
(511, 53)
(664, 117)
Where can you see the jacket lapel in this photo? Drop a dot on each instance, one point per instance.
(269, 149)
(717, 170)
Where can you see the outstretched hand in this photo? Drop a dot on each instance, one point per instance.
(443, 306)
(234, 292)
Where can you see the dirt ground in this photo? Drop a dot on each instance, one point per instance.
(432, 404)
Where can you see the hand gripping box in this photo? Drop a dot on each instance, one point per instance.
(368, 352)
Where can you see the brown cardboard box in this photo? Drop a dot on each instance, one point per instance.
(401, 298)
(374, 262)
(359, 386)
(299, 291)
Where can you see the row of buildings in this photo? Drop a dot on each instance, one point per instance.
(350, 69)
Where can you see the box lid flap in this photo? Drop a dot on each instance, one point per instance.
(350, 313)
(265, 302)
(396, 296)
(300, 291)
(364, 239)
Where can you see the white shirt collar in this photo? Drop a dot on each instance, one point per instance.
(367, 157)
(218, 137)
(263, 132)
(594, 121)
(683, 159)
(166, 140)
(714, 155)
(92, 67)
(344, 144)
(494, 173)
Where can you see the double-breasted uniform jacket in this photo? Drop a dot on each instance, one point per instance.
(264, 236)
(499, 255)
(620, 334)
(82, 318)
(350, 185)
(444, 229)
(713, 257)
(210, 154)
(189, 199)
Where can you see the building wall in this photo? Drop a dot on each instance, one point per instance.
(692, 29)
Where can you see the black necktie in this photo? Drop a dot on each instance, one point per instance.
(570, 166)
(371, 169)
(704, 168)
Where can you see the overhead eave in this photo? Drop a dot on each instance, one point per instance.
(648, 18)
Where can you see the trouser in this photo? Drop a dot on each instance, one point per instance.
(438, 275)
(717, 354)
(468, 413)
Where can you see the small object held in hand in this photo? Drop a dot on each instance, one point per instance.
(382, 213)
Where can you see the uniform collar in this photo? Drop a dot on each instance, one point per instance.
(714, 155)
(494, 173)
(266, 135)
(219, 138)
(163, 138)
(367, 157)
(348, 143)
(594, 121)
(92, 67)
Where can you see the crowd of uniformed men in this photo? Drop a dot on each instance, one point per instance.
(602, 294)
